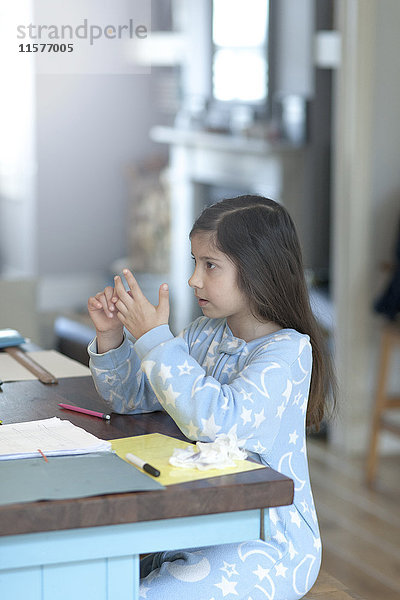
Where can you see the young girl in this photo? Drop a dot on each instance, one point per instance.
(244, 367)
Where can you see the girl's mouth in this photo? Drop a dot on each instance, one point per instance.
(202, 302)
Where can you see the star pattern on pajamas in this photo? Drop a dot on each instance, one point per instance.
(185, 368)
(259, 448)
(247, 395)
(259, 418)
(229, 569)
(280, 410)
(192, 431)
(170, 395)
(261, 572)
(227, 586)
(246, 415)
(165, 372)
(210, 428)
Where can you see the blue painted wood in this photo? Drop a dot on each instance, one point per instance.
(126, 540)
(77, 580)
(21, 583)
(113, 579)
(102, 563)
(136, 576)
(123, 578)
(267, 525)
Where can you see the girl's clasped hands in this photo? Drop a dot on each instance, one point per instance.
(115, 308)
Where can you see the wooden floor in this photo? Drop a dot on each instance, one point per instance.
(360, 527)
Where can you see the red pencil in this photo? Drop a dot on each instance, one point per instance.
(86, 411)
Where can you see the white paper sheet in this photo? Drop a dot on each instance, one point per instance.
(58, 365)
(54, 437)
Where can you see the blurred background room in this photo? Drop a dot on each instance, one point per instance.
(294, 99)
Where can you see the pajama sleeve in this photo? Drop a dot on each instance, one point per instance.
(120, 381)
(251, 405)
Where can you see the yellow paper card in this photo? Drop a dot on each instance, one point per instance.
(156, 449)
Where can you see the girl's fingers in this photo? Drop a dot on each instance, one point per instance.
(119, 288)
(109, 293)
(121, 318)
(94, 304)
(133, 284)
(163, 301)
(121, 307)
(120, 292)
(115, 298)
(101, 299)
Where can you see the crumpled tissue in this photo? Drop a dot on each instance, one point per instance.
(209, 455)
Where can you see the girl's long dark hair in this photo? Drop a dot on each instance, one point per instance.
(259, 236)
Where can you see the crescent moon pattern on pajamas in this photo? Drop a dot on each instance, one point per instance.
(189, 573)
(301, 574)
(262, 551)
(285, 466)
(269, 594)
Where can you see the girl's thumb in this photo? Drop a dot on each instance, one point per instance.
(163, 303)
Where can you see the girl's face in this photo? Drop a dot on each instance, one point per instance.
(214, 282)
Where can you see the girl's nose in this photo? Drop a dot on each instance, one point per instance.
(195, 280)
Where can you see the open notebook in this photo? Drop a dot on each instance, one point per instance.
(54, 437)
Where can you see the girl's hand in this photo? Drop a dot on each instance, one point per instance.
(109, 329)
(135, 312)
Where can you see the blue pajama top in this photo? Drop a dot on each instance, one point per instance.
(211, 382)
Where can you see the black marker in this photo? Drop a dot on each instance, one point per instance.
(142, 464)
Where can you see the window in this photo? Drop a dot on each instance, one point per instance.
(240, 56)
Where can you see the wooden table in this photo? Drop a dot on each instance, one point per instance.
(89, 547)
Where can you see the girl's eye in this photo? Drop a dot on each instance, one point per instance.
(210, 265)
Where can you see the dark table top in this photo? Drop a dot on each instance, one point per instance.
(32, 400)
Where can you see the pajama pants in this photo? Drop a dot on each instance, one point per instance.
(254, 570)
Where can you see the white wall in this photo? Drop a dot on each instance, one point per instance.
(294, 47)
(386, 175)
(386, 138)
(17, 148)
(367, 200)
(90, 129)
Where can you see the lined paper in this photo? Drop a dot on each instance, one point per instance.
(55, 437)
